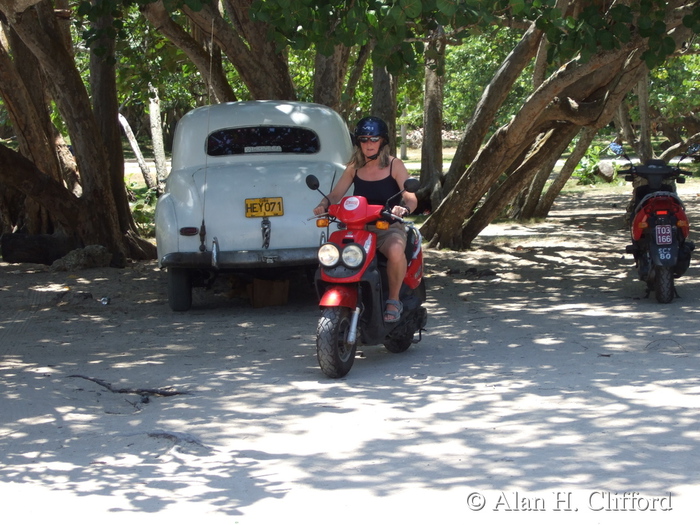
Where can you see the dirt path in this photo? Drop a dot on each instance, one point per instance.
(545, 379)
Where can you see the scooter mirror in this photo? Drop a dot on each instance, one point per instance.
(411, 185)
(312, 182)
(693, 149)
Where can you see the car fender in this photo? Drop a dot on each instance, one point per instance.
(166, 226)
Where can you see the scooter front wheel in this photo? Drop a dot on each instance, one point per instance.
(335, 356)
(663, 284)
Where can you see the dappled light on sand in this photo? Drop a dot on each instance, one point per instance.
(544, 372)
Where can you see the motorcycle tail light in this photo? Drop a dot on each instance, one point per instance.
(382, 225)
(353, 255)
(322, 223)
(328, 255)
(662, 212)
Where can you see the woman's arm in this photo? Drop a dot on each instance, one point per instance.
(337, 193)
(400, 174)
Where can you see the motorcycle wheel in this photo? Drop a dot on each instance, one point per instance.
(335, 357)
(663, 284)
(179, 289)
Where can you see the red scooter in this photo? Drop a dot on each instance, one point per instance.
(659, 225)
(352, 284)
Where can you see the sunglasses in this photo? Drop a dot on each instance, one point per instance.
(368, 139)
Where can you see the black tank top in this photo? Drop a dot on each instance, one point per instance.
(378, 191)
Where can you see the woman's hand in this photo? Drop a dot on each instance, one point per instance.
(321, 209)
(400, 211)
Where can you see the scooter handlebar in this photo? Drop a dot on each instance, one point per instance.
(388, 215)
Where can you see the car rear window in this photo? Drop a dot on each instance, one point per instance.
(262, 139)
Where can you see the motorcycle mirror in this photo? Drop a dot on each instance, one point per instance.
(693, 149)
(312, 182)
(411, 185)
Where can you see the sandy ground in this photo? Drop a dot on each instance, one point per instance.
(552, 386)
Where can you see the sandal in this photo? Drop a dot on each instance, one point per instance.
(392, 316)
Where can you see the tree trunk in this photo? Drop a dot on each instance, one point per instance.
(384, 89)
(261, 67)
(36, 249)
(212, 71)
(547, 200)
(555, 140)
(105, 105)
(143, 166)
(22, 87)
(431, 149)
(646, 151)
(623, 122)
(573, 93)
(491, 100)
(104, 212)
(329, 76)
(18, 172)
(526, 211)
(157, 137)
(348, 102)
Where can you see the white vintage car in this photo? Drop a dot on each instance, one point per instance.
(236, 198)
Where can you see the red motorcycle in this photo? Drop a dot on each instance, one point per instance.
(659, 225)
(352, 284)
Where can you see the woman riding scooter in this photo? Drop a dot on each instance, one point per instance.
(378, 176)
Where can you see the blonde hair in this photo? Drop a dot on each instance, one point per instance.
(358, 158)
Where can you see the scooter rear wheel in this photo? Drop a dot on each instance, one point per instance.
(335, 356)
(663, 284)
(397, 346)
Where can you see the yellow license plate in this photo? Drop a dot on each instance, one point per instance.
(264, 207)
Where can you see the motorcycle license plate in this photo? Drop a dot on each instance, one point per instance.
(264, 207)
(664, 234)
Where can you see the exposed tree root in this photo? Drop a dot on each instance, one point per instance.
(164, 392)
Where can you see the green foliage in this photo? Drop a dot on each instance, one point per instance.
(396, 27)
(143, 202)
(587, 169)
(675, 87)
(470, 67)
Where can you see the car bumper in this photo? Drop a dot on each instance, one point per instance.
(249, 259)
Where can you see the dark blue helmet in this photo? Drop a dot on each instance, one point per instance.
(372, 127)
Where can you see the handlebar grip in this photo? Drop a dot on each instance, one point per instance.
(685, 172)
(628, 171)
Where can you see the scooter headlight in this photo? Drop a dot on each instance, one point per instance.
(328, 255)
(353, 255)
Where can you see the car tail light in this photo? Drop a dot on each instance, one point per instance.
(189, 231)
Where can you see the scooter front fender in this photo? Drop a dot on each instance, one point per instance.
(339, 296)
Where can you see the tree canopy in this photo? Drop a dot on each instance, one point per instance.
(520, 79)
